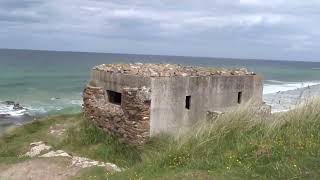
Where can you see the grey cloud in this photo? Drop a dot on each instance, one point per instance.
(266, 29)
(19, 4)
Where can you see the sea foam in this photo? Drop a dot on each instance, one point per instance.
(9, 110)
(279, 86)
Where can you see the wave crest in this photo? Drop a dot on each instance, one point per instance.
(273, 86)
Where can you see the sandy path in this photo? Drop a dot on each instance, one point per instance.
(39, 169)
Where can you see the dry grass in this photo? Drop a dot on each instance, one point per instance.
(241, 145)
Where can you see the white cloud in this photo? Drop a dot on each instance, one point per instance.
(250, 2)
(245, 22)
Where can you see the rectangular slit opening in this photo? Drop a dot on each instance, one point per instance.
(239, 97)
(188, 102)
(114, 97)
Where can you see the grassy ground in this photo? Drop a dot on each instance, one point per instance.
(238, 145)
(82, 138)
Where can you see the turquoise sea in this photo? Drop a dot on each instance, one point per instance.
(49, 82)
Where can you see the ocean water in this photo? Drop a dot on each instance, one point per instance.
(48, 82)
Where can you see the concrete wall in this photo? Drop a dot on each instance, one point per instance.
(116, 81)
(212, 93)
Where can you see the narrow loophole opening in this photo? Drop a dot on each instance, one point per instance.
(188, 102)
(239, 97)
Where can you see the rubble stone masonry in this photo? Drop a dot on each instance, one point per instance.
(130, 121)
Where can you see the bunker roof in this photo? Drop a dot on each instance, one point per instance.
(169, 70)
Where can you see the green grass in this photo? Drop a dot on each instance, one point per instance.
(238, 145)
(81, 138)
(85, 139)
(16, 142)
(241, 145)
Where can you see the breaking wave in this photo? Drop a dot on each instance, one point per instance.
(41, 109)
(8, 110)
(274, 86)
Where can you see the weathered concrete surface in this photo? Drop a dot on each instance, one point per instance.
(153, 98)
(116, 82)
(212, 93)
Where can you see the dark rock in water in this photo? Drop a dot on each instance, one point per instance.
(9, 103)
(55, 98)
(18, 107)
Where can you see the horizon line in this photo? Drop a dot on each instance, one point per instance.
(138, 54)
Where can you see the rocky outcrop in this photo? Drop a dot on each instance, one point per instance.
(37, 148)
(11, 107)
(16, 106)
(128, 121)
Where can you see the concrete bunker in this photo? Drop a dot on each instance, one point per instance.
(136, 101)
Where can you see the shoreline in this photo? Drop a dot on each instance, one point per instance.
(288, 100)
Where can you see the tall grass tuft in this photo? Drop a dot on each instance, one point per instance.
(86, 139)
(241, 145)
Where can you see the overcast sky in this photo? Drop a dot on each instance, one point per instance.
(268, 29)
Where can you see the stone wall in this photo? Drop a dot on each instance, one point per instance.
(130, 121)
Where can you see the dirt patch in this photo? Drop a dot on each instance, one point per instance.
(58, 129)
(2, 168)
(40, 169)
